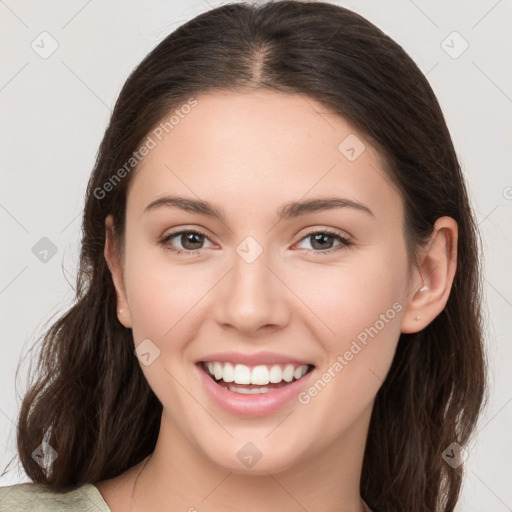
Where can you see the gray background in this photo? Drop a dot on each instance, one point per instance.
(54, 111)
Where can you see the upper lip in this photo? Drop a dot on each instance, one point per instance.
(253, 359)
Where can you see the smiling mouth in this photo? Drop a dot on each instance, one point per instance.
(251, 380)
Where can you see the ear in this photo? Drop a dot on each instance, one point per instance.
(114, 262)
(432, 278)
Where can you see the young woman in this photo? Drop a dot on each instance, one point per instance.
(278, 300)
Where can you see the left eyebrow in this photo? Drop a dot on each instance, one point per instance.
(289, 210)
(298, 208)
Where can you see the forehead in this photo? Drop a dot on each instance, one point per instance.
(261, 149)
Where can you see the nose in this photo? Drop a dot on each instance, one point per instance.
(252, 298)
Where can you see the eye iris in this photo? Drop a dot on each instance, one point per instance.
(187, 238)
(319, 238)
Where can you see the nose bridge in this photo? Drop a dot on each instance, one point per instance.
(253, 297)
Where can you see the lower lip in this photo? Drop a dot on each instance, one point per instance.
(259, 404)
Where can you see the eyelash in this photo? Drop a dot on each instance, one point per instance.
(344, 242)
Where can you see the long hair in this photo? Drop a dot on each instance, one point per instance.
(90, 400)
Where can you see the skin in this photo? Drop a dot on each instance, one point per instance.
(249, 154)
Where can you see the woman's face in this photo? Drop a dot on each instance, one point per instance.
(261, 287)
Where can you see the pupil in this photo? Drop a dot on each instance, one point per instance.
(189, 238)
(318, 238)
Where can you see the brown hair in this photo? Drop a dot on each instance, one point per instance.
(91, 401)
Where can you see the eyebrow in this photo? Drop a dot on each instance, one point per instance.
(289, 210)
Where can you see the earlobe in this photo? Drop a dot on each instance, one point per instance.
(116, 269)
(433, 277)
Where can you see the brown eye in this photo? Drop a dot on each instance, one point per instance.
(189, 241)
(322, 241)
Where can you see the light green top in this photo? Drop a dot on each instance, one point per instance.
(32, 497)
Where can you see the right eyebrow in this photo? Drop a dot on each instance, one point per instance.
(188, 205)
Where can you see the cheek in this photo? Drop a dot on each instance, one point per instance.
(357, 310)
(162, 295)
(360, 311)
(347, 299)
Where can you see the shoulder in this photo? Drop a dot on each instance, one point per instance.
(35, 497)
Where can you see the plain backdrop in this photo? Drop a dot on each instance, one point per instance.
(54, 110)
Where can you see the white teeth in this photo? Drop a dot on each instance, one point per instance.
(246, 391)
(298, 372)
(288, 372)
(217, 370)
(276, 374)
(242, 374)
(228, 373)
(259, 375)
